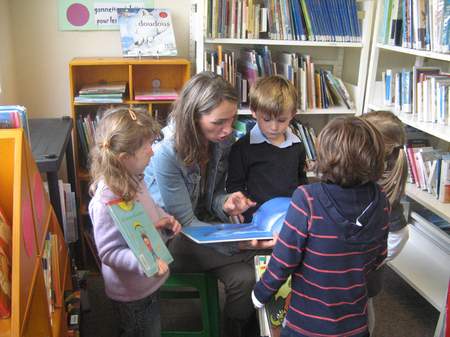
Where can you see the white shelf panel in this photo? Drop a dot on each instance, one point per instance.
(429, 201)
(418, 265)
(285, 43)
(415, 52)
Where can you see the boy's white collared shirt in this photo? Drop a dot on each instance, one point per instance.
(256, 137)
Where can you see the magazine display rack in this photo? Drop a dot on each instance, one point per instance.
(27, 206)
(424, 261)
(169, 72)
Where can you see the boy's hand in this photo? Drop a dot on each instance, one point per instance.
(171, 224)
(237, 203)
(255, 244)
(163, 268)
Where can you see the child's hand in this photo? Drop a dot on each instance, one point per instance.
(171, 224)
(237, 203)
(163, 268)
(255, 244)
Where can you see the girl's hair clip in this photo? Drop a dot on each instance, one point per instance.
(106, 144)
(133, 115)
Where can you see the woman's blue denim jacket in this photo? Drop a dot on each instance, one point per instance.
(176, 187)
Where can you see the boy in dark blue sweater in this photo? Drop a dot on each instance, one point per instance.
(334, 235)
(269, 161)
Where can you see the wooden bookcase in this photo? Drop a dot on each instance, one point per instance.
(173, 72)
(27, 206)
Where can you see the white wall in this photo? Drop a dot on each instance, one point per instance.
(35, 54)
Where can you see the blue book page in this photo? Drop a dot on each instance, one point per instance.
(268, 218)
(140, 234)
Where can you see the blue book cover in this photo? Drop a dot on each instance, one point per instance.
(139, 233)
(146, 32)
(17, 118)
(268, 218)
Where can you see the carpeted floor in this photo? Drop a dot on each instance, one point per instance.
(400, 311)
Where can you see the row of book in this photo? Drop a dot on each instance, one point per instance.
(416, 24)
(14, 117)
(429, 168)
(86, 130)
(316, 87)
(313, 20)
(303, 130)
(113, 92)
(422, 91)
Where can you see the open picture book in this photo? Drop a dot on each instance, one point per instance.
(268, 218)
(140, 234)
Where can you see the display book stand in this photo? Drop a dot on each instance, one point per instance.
(138, 73)
(27, 206)
(425, 260)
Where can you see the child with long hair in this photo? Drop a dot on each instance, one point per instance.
(334, 234)
(122, 150)
(394, 182)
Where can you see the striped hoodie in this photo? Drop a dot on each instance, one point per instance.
(332, 238)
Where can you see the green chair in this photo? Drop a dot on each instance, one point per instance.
(205, 288)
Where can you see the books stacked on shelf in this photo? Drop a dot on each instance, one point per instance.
(416, 24)
(272, 316)
(429, 168)
(243, 125)
(102, 92)
(155, 94)
(421, 91)
(86, 129)
(5, 265)
(328, 21)
(49, 268)
(14, 117)
(308, 137)
(68, 211)
(316, 87)
(72, 303)
(435, 220)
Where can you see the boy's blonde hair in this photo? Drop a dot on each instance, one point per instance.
(200, 95)
(120, 130)
(349, 152)
(272, 96)
(394, 137)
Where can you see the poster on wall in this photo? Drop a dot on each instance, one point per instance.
(93, 15)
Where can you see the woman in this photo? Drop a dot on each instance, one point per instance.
(187, 176)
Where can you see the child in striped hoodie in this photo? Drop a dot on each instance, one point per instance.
(334, 235)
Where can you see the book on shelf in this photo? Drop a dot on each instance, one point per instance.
(140, 234)
(56, 244)
(152, 94)
(72, 304)
(146, 32)
(84, 99)
(5, 266)
(273, 314)
(104, 87)
(417, 71)
(428, 161)
(14, 117)
(411, 144)
(267, 219)
(444, 186)
(395, 34)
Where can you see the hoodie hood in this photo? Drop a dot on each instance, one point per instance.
(349, 213)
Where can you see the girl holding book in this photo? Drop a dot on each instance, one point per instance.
(121, 152)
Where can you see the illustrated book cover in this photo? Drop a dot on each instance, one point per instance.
(268, 218)
(140, 234)
(275, 311)
(146, 32)
(153, 94)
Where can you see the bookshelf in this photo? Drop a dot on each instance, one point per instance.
(347, 60)
(138, 73)
(424, 261)
(27, 206)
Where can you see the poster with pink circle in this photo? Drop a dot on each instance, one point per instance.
(93, 15)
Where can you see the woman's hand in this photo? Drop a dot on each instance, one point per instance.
(255, 244)
(163, 268)
(171, 224)
(237, 203)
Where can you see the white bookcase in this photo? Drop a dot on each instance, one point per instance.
(425, 261)
(349, 60)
